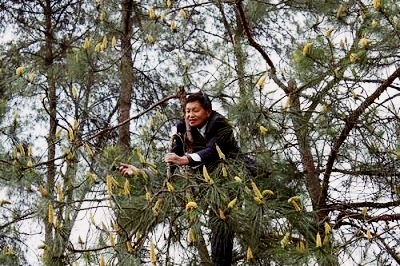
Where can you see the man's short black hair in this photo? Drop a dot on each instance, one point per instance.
(201, 97)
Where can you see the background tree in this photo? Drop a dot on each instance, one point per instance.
(311, 88)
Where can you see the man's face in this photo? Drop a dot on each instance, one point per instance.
(196, 115)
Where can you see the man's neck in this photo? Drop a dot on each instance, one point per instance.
(202, 129)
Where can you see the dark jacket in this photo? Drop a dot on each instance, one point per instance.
(218, 132)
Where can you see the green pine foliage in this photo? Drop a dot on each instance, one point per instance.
(320, 120)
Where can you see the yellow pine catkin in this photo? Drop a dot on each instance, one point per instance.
(285, 240)
(221, 214)
(328, 33)
(232, 204)
(74, 91)
(267, 193)
(170, 187)
(75, 125)
(220, 153)
(153, 256)
(97, 48)
(109, 184)
(318, 242)
(150, 39)
(71, 135)
(369, 235)
(148, 194)
(206, 176)
(364, 211)
(87, 43)
(50, 215)
(104, 43)
(224, 171)
(307, 49)
(182, 13)
(263, 130)
(114, 42)
(256, 191)
(237, 179)
(300, 246)
(20, 71)
(91, 176)
(102, 262)
(88, 150)
(138, 236)
(129, 247)
(112, 240)
(60, 192)
(15, 154)
(127, 188)
(353, 57)
(42, 191)
(173, 25)
(261, 81)
(295, 201)
(191, 236)
(21, 149)
(249, 255)
(191, 205)
(157, 207)
(103, 15)
(341, 11)
(327, 228)
(152, 13)
(364, 42)
(29, 163)
(376, 4)
(30, 150)
(91, 219)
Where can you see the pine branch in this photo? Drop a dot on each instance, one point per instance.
(351, 121)
(257, 46)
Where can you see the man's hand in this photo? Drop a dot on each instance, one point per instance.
(128, 169)
(175, 159)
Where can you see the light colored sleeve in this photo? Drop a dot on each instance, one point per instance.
(195, 157)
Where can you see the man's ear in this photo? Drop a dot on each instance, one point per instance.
(209, 112)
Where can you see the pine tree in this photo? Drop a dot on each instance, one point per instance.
(310, 87)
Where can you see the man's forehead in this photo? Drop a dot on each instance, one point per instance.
(193, 104)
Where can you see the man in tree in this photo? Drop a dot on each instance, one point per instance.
(208, 130)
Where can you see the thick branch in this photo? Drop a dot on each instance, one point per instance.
(372, 204)
(250, 38)
(258, 47)
(134, 117)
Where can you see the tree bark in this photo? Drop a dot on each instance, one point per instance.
(53, 254)
(127, 76)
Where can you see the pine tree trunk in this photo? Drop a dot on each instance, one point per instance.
(54, 252)
(126, 70)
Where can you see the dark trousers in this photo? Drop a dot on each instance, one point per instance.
(221, 242)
